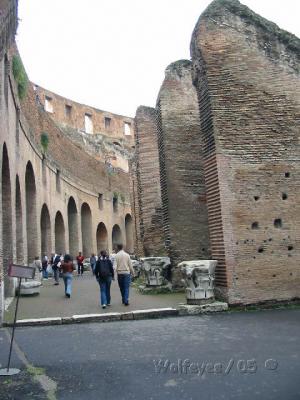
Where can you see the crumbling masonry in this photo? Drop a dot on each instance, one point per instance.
(246, 75)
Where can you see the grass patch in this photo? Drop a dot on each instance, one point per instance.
(20, 76)
(34, 371)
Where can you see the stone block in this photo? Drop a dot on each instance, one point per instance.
(216, 306)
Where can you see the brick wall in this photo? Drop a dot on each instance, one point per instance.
(148, 181)
(182, 175)
(246, 71)
(76, 113)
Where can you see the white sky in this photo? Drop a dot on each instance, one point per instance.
(111, 54)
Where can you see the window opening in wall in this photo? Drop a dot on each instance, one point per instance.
(48, 104)
(68, 110)
(127, 128)
(254, 225)
(287, 174)
(115, 203)
(278, 223)
(58, 181)
(88, 123)
(284, 196)
(100, 201)
(107, 122)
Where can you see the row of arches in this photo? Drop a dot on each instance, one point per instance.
(86, 228)
(44, 224)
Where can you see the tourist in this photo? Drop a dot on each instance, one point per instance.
(113, 257)
(67, 269)
(80, 259)
(38, 269)
(125, 271)
(104, 274)
(45, 266)
(93, 261)
(55, 263)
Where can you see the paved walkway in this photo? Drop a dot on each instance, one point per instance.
(133, 360)
(85, 300)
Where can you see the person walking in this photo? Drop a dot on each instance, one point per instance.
(67, 269)
(38, 269)
(124, 270)
(104, 273)
(80, 259)
(55, 268)
(45, 266)
(93, 261)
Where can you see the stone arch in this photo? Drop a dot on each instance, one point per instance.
(129, 233)
(101, 236)
(45, 231)
(73, 227)
(31, 218)
(7, 240)
(19, 224)
(116, 236)
(86, 229)
(60, 242)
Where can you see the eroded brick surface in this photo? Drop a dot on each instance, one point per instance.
(148, 183)
(246, 71)
(181, 167)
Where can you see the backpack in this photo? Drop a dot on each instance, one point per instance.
(104, 269)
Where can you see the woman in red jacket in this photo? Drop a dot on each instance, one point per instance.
(67, 271)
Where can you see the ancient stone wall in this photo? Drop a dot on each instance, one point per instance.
(56, 200)
(246, 71)
(181, 168)
(148, 182)
(71, 113)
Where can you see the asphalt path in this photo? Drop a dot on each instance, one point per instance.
(239, 355)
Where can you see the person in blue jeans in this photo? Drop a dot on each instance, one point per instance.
(67, 269)
(124, 270)
(104, 273)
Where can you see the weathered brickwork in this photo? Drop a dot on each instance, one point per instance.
(148, 195)
(246, 71)
(71, 113)
(182, 175)
(135, 206)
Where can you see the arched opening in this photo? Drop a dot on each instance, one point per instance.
(19, 224)
(86, 229)
(45, 231)
(7, 245)
(129, 233)
(31, 219)
(116, 236)
(60, 243)
(101, 236)
(73, 227)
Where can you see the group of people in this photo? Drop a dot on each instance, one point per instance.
(103, 267)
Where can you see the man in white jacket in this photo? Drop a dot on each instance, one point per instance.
(124, 270)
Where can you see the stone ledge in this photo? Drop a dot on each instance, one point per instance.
(127, 316)
(96, 317)
(181, 310)
(154, 313)
(188, 309)
(37, 321)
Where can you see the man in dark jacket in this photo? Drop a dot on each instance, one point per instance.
(104, 274)
(55, 267)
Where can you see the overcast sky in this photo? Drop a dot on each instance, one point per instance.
(111, 54)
